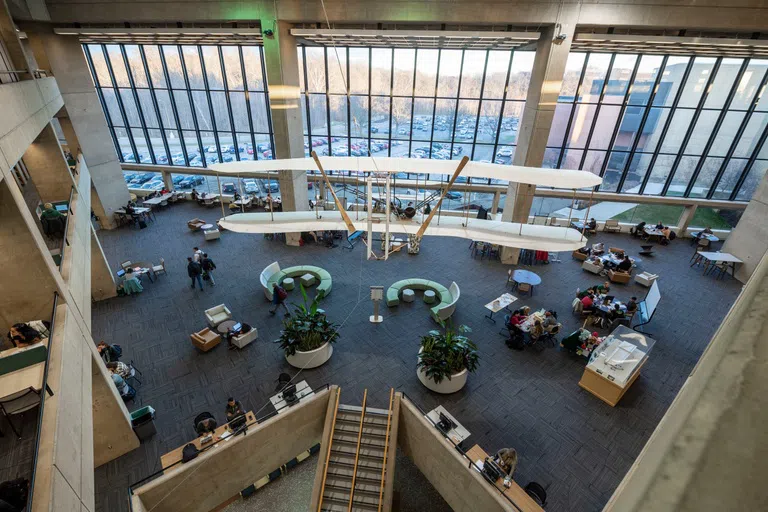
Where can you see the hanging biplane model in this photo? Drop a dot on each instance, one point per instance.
(392, 219)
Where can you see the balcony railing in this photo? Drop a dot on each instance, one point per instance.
(65, 239)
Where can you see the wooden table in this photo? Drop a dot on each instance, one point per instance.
(24, 378)
(713, 258)
(514, 492)
(174, 456)
(303, 392)
(652, 231)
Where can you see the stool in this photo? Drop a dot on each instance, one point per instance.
(408, 296)
(288, 283)
(307, 280)
(429, 296)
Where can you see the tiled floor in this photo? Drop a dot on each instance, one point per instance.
(569, 441)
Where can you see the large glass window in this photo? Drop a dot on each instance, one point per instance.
(422, 103)
(662, 125)
(214, 96)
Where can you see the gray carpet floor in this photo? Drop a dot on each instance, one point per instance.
(578, 447)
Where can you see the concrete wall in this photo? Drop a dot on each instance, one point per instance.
(47, 166)
(709, 450)
(749, 239)
(464, 489)
(738, 14)
(27, 107)
(222, 472)
(27, 286)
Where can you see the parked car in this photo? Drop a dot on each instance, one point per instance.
(267, 155)
(129, 157)
(249, 150)
(178, 159)
(504, 153)
(228, 188)
(211, 159)
(263, 147)
(452, 194)
(210, 149)
(128, 176)
(162, 159)
(178, 179)
(191, 181)
(227, 158)
(142, 177)
(251, 186)
(271, 187)
(155, 185)
(145, 159)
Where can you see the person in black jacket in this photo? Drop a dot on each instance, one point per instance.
(195, 271)
(208, 267)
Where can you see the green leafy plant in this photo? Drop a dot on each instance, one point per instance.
(307, 329)
(447, 353)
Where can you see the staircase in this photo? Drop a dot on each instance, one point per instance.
(358, 454)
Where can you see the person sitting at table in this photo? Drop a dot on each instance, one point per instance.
(613, 315)
(24, 335)
(108, 352)
(638, 230)
(194, 194)
(598, 249)
(121, 369)
(624, 265)
(126, 390)
(588, 291)
(506, 458)
(668, 235)
(537, 329)
(592, 224)
(49, 212)
(632, 305)
(234, 408)
(604, 288)
(129, 208)
(550, 321)
(587, 302)
(516, 319)
(205, 423)
(660, 225)
(131, 283)
(707, 231)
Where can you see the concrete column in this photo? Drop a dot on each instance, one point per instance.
(282, 66)
(69, 133)
(64, 56)
(102, 280)
(748, 241)
(167, 180)
(685, 219)
(544, 88)
(48, 167)
(495, 204)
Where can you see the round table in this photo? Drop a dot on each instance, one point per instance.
(288, 283)
(526, 277)
(408, 295)
(206, 227)
(429, 296)
(225, 326)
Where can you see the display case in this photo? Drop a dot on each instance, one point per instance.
(616, 364)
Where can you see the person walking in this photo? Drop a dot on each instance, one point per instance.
(278, 299)
(195, 271)
(208, 267)
(197, 254)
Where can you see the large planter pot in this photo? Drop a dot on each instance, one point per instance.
(311, 359)
(446, 386)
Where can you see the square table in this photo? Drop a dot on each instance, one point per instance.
(303, 392)
(307, 280)
(713, 258)
(458, 433)
(498, 304)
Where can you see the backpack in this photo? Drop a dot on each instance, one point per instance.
(672, 235)
(117, 352)
(189, 452)
(281, 293)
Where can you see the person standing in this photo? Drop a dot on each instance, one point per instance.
(197, 254)
(278, 298)
(195, 271)
(208, 267)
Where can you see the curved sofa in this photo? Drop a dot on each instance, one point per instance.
(273, 274)
(448, 297)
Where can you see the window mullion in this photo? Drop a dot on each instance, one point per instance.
(572, 112)
(479, 106)
(247, 93)
(503, 109)
(140, 110)
(176, 109)
(597, 109)
(127, 126)
(210, 103)
(155, 105)
(434, 101)
(235, 142)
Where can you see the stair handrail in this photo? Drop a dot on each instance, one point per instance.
(357, 451)
(390, 412)
(328, 452)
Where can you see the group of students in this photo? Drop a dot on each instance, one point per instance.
(518, 317)
(200, 267)
(666, 231)
(119, 371)
(590, 303)
(205, 423)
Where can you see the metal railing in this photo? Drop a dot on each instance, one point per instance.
(65, 240)
(463, 453)
(35, 73)
(242, 430)
(44, 390)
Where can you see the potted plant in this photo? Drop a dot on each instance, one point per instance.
(307, 335)
(446, 359)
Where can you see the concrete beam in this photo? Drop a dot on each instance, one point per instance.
(48, 168)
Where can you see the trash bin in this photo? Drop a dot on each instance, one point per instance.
(143, 422)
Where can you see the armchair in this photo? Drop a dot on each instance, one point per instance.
(205, 340)
(195, 224)
(619, 277)
(580, 256)
(217, 314)
(244, 339)
(593, 267)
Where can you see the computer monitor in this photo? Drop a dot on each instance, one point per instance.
(289, 394)
(237, 422)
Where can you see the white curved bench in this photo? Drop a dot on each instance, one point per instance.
(445, 312)
(269, 271)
